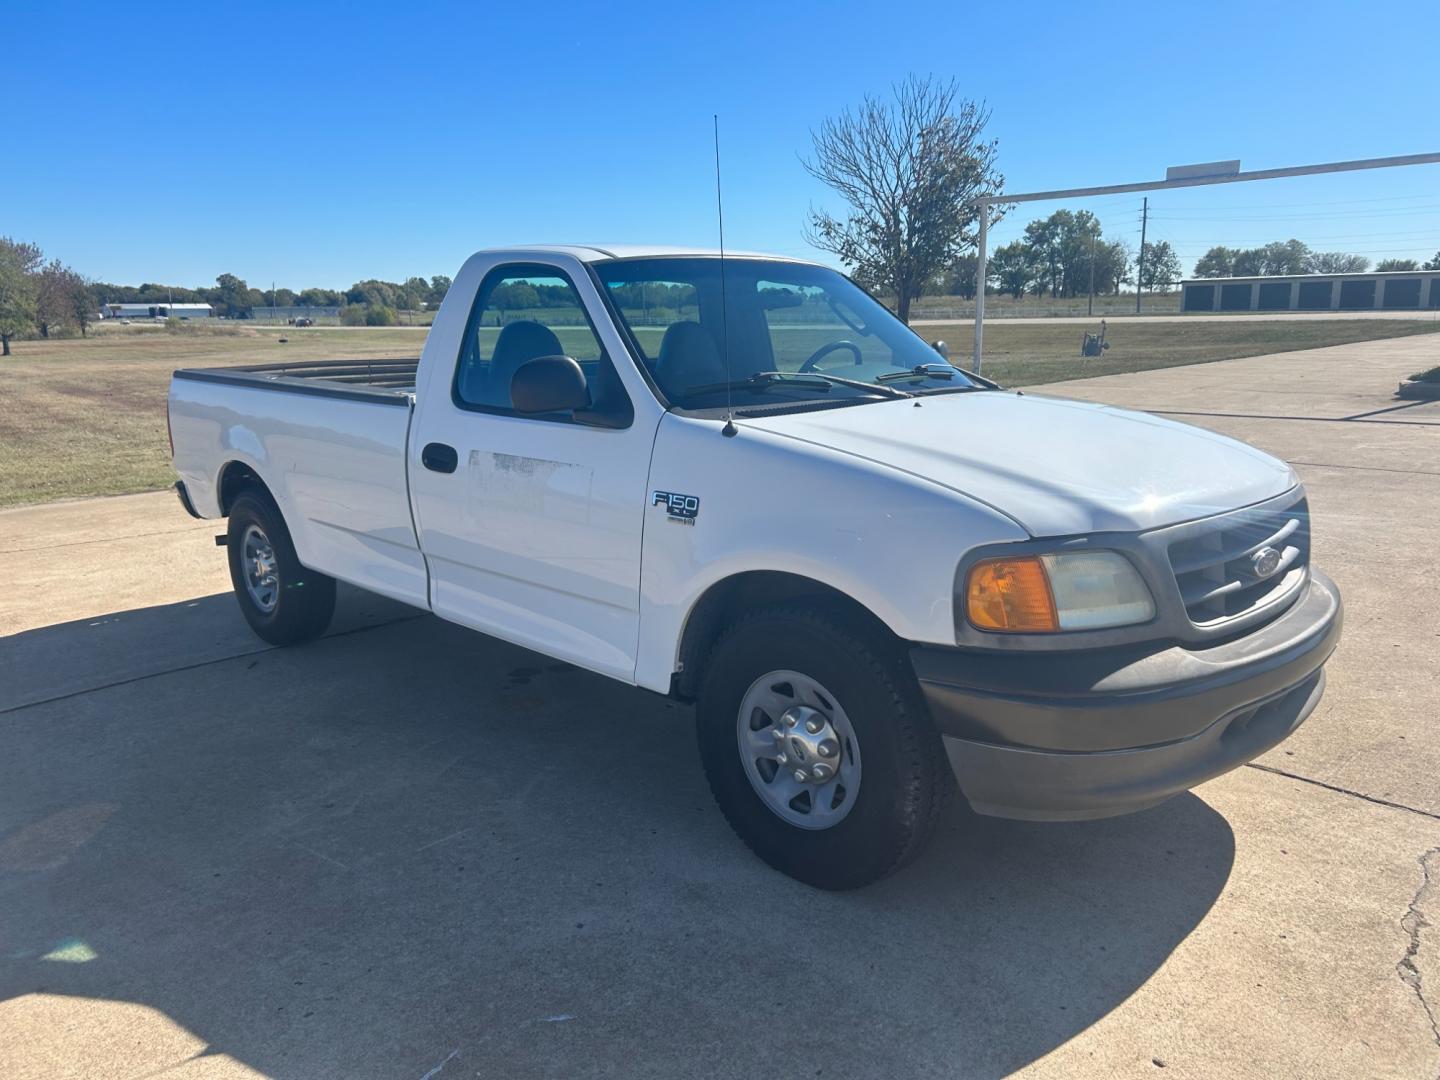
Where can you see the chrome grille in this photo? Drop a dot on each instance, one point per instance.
(1215, 565)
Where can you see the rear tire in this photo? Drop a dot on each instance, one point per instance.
(284, 602)
(795, 662)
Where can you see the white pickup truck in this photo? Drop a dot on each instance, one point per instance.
(742, 482)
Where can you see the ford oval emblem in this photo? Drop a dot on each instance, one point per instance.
(1265, 562)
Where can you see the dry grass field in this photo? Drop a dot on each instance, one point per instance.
(87, 416)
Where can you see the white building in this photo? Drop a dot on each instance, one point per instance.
(158, 311)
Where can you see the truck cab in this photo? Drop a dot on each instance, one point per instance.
(740, 481)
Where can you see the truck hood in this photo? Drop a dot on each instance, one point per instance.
(1056, 466)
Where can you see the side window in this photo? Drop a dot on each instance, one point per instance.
(524, 312)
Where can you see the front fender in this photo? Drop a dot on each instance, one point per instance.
(888, 540)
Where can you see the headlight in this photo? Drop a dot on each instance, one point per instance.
(1081, 590)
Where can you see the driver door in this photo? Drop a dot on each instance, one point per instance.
(531, 522)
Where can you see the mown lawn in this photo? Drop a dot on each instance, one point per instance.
(1023, 354)
(87, 416)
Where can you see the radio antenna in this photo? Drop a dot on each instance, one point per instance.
(729, 430)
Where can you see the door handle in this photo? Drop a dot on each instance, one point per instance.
(437, 457)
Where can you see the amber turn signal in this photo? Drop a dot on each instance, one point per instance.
(1011, 595)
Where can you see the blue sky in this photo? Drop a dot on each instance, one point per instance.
(317, 147)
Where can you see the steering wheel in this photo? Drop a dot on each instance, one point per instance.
(825, 350)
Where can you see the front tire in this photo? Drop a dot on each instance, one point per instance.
(818, 749)
(284, 602)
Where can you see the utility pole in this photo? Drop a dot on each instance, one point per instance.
(981, 273)
(1140, 273)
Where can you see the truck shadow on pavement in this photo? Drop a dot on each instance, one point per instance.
(410, 844)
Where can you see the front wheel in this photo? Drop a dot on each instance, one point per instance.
(817, 748)
(284, 602)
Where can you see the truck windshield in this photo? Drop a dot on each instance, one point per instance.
(703, 345)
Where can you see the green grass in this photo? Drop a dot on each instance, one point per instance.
(87, 416)
(1020, 354)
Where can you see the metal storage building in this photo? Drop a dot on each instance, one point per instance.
(1398, 290)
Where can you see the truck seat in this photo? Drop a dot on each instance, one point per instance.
(688, 358)
(519, 342)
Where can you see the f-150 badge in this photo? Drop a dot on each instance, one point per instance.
(681, 509)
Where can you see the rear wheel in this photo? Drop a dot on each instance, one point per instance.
(817, 748)
(283, 601)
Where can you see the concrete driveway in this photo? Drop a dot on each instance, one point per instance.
(407, 850)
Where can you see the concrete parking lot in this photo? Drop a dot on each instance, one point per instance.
(407, 850)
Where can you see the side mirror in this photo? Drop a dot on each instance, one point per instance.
(549, 384)
(941, 348)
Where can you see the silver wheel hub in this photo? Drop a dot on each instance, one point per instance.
(799, 750)
(262, 573)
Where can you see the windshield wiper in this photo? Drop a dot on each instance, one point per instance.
(920, 371)
(818, 379)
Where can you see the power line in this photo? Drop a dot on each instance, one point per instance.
(1410, 211)
(1333, 202)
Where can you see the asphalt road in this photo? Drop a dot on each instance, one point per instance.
(407, 850)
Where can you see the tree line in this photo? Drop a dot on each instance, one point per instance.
(1291, 258)
(232, 296)
(1067, 255)
(40, 296)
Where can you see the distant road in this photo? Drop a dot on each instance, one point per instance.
(1259, 316)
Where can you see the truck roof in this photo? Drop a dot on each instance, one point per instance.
(600, 252)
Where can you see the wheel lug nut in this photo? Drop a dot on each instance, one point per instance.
(822, 772)
(782, 759)
(790, 720)
(800, 775)
(827, 748)
(779, 735)
(813, 726)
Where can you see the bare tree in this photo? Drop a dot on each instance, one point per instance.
(909, 170)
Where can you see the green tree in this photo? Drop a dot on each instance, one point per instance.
(909, 170)
(380, 315)
(321, 298)
(960, 281)
(53, 308)
(1219, 261)
(1336, 262)
(1160, 266)
(1433, 264)
(1385, 266)
(353, 315)
(18, 263)
(1042, 248)
(439, 286)
(515, 296)
(1011, 269)
(1279, 257)
(232, 297)
(1112, 266)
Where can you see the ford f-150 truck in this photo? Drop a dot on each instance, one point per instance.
(740, 481)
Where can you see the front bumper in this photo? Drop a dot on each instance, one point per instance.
(1066, 736)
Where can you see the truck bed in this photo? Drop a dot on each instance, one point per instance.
(383, 381)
